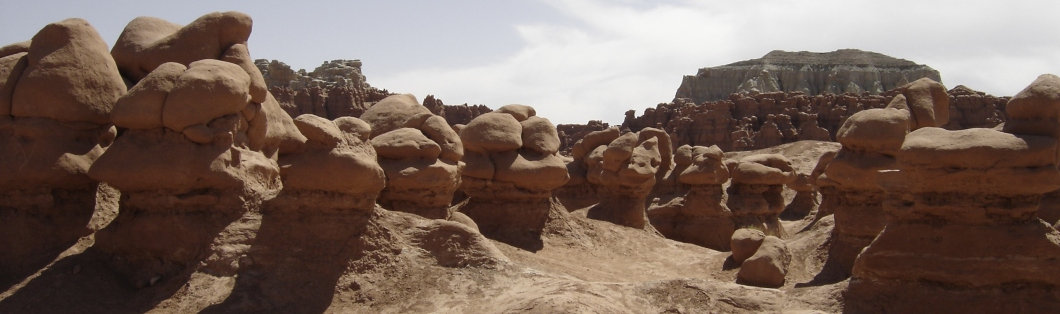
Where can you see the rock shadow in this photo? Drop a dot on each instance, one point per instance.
(296, 261)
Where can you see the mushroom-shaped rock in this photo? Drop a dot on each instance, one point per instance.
(420, 154)
(519, 112)
(147, 42)
(56, 95)
(508, 180)
(768, 267)
(623, 172)
(697, 216)
(1033, 110)
(964, 201)
(927, 102)
(755, 193)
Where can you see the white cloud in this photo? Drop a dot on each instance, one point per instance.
(616, 56)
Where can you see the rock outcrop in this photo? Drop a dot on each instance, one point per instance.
(768, 267)
(335, 89)
(696, 214)
(56, 95)
(622, 169)
(962, 232)
(871, 139)
(755, 192)
(837, 72)
(420, 154)
(511, 167)
(197, 151)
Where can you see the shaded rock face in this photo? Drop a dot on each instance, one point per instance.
(198, 149)
(622, 169)
(420, 154)
(837, 72)
(871, 139)
(696, 214)
(56, 95)
(961, 202)
(755, 192)
(511, 167)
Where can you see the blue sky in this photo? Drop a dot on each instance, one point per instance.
(578, 60)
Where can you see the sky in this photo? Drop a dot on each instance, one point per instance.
(580, 60)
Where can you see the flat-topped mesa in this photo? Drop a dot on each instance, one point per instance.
(871, 139)
(962, 229)
(198, 151)
(697, 216)
(511, 167)
(419, 153)
(755, 192)
(836, 72)
(623, 170)
(56, 95)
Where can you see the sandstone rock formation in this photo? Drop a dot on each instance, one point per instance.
(199, 140)
(768, 267)
(335, 89)
(420, 154)
(745, 242)
(836, 72)
(622, 169)
(511, 168)
(750, 121)
(696, 215)
(871, 139)
(805, 200)
(755, 192)
(56, 95)
(962, 230)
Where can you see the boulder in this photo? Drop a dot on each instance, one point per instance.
(768, 267)
(745, 243)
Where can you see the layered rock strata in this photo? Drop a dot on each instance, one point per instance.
(871, 139)
(419, 152)
(836, 72)
(57, 92)
(198, 149)
(755, 192)
(697, 215)
(962, 230)
(511, 168)
(622, 170)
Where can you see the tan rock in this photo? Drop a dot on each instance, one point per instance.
(395, 112)
(492, 132)
(354, 127)
(147, 42)
(11, 68)
(540, 135)
(438, 130)
(208, 89)
(69, 76)
(405, 143)
(745, 243)
(142, 107)
(875, 130)
(319, 130)
(519, 112)
(768, 267)
(15, 48)
(1034, 110)
(240, 55)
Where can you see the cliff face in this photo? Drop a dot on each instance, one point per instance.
(749, 121)
(335, 89)
(837, 72)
